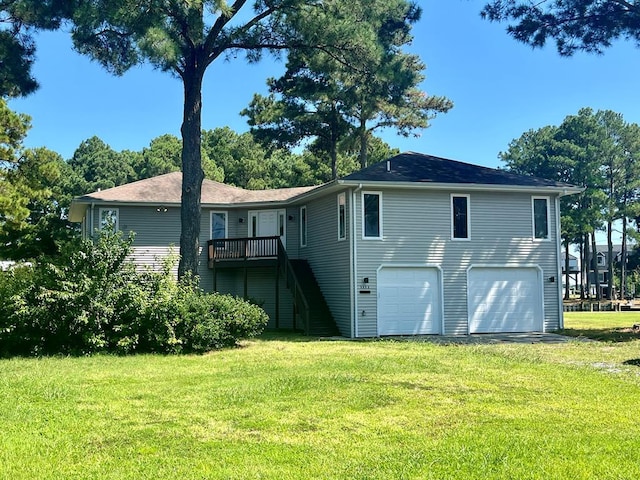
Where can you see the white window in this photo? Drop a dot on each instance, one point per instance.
(460, 217)
(109, 218)
(219, 225)
(372, 215)
(303, 226)
(601, 261)
(342, 216)
(540, 218)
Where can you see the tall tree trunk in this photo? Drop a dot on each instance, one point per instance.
(567, 275)
(192, 174)
(596, 272)
(582, 269)
(587, 264)
(610, 295)
(363, 143)
(623, 260)
(334, 160)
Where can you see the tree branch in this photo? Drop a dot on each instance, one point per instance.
(217, 27)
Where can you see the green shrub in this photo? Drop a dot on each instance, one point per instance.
(212, 321)
(12, 284)
(92, 299)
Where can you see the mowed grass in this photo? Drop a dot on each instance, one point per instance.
(605, 326)
(283, 407)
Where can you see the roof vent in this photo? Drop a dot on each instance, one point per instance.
(388, 165)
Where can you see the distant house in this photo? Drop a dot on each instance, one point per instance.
(574, 270)
(574, 266)
(412, 245)
(602, 262)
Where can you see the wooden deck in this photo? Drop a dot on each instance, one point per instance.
(231, 252)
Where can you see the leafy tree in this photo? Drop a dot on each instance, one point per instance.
(162, 156)
(38, 177)
(93, 299)
(589, 25)
(323, 98)
(595, 150)
(611, 125)
(31, 200)
(302, 112)
(97, 167)
(185, 38)
(19, 19)
(239, 157)
(13, 198)
(13, 129)
(377, 151)
(628, 192)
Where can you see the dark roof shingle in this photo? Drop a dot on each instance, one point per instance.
(420, 168)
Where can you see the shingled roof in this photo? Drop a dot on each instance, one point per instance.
(420, 168)
(405, 168)
(167, 189)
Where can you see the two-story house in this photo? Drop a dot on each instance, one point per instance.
(412, 245)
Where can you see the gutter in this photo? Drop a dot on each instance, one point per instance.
(92, 226)
(561, 191)
(559, 266)
(354, 264)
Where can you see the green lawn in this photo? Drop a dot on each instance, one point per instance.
(287, 408)
(606, 326)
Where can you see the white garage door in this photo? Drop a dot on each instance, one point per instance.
(408, 301)
(504, 300)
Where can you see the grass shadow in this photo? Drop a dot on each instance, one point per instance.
(614, 335)
(633, 361)
(285, 336)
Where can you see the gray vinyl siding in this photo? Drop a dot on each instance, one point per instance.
(261, 289)
(293, 232)
(417, 231)
(157, 234)
(329, 257)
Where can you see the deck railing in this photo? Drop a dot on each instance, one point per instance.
(293, 283)
(262, 247)
(242, 248)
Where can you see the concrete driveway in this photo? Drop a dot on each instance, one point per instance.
(484, 338)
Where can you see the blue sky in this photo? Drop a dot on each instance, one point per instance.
(500, 89)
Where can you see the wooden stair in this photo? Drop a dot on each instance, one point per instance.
(321, 322)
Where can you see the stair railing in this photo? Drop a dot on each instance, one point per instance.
(300, 302)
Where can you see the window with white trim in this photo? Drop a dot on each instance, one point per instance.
(109, 217)
(372, 215)
(540, 218)
(219, 225)
(460, 217)
(342, 216)
(303, 226)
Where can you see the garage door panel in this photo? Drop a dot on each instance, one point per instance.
(408, 301)
(504, 300)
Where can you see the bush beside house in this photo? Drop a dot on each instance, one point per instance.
(94, 300)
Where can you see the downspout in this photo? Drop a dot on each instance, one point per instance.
(92, 226)
(558, 268)
(354, 264)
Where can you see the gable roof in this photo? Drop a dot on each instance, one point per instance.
(407, 169)
(419, 168)
(167, 190)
